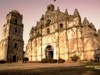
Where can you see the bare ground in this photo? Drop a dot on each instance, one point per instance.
(68, 68)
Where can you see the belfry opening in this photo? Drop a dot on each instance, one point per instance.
(49, 52)
(14, 58)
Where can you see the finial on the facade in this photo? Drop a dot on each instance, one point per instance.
(31, 31)
(58, 9)
(37, 22)
(76, 13)
(66, 12)
(99, 31)
(42, 17)
(85, 21)
(92, 25)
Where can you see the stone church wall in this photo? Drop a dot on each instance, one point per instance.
(61, 36)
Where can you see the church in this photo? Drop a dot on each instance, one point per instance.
(61, 35)
(56, 35)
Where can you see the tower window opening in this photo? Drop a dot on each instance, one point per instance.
(15, 45)
(15, 30)
(15, 21)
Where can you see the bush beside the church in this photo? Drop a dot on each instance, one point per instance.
(45, 60)
(61, 60)
(25, 59)
(2, 61)
(74, 58)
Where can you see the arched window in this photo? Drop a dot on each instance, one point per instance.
(15, 21)
(15, 45)
(61, 25)
(48, 8)
(38, 33)
(48, 30)
(15, 30)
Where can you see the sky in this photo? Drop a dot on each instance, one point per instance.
(32, 11)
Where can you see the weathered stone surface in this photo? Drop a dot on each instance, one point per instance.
(67, 36)
(11, 45)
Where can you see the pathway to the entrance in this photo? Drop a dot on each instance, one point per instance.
(8, 66)
(68, 68)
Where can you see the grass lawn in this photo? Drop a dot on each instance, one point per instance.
(49, 69)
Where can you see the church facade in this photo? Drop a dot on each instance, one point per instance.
(60, 35)
(12, 44)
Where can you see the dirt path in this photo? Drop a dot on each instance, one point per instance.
(9, 66)
(67, 68)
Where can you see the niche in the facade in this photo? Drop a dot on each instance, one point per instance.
(48, 30)
(61, 25)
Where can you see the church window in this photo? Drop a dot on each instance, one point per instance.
(48, 22)
(15, 45)
(15, 30)
(48, 30)
(15, 21)
(38, 33)
(61, 25)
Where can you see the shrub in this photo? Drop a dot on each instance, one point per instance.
(45, 60)
(74, 58)
(61, 60)
(25, 59)
(52, 60)
(2, 61)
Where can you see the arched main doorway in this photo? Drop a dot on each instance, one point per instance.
(49, 52)
(14, 58)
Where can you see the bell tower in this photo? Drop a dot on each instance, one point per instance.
(13, 37)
